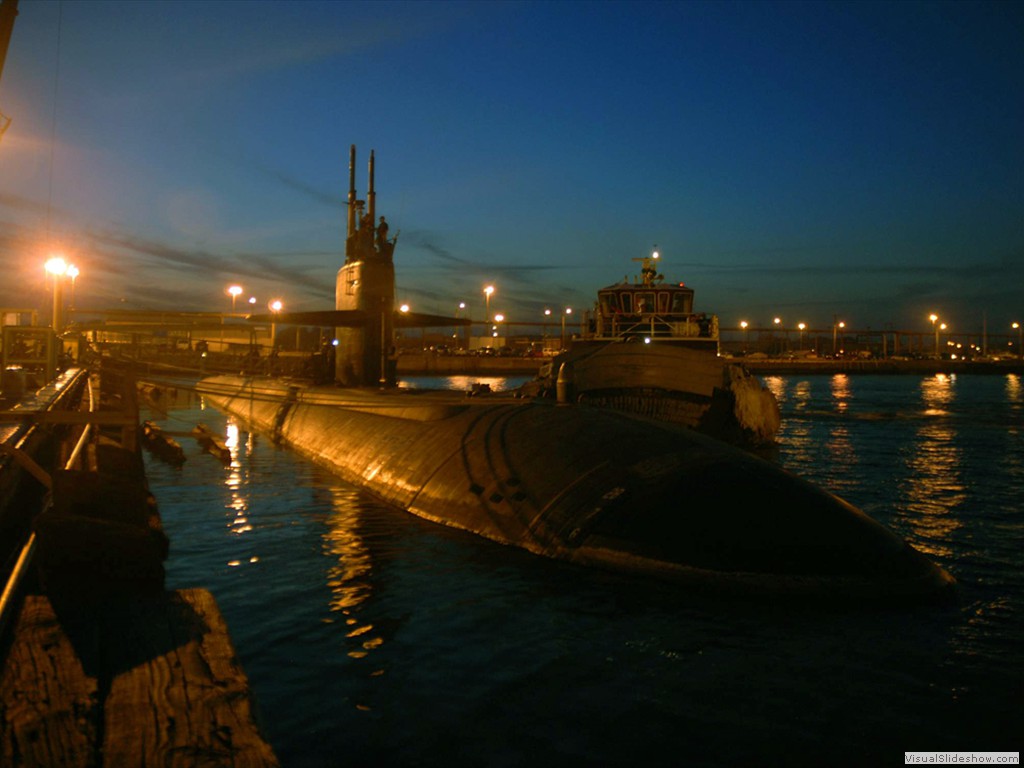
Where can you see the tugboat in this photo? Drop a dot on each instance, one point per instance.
(646, 352)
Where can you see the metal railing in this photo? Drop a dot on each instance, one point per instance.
(24, 559)
(668, 325)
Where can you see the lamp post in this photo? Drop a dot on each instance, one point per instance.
(455, 334)
(73, 273)
(746, 335)
(801, 326)
(494, 328)
(235, 291)
(568, 311)
(933, 317)
(1020, 338)
(275, 306)
(57, 267)
(778, 325)
(488, 290)
(836, 327)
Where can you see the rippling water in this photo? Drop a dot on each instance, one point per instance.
(374, 638)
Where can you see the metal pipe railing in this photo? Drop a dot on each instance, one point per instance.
(24, 560)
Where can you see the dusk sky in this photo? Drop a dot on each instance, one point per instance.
(805, 160)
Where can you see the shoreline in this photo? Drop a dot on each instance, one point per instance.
(465, 365)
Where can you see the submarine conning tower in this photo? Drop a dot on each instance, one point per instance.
(366, 282)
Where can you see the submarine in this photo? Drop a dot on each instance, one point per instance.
(561, 479)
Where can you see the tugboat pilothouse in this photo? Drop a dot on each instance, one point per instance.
(646, 352)
(649, 309)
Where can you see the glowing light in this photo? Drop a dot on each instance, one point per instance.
(276, 305)
(56, 266)
(499, 318)
(404, 308)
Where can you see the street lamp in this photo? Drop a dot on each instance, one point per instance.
(778, 324)
(801, 326)
(1020, 338)
(836, 327)
(933, 317)
(455, 334)
(568, 311)
(488, 290)
(57, 267)
(73, 273)
(746, 335)
(275, 306)
(235, 291)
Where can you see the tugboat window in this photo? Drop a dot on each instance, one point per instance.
(627, 303)
(662, 303)
(644, 303)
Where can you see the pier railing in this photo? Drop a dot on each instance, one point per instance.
(58, 404)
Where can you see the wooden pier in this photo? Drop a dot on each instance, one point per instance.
(101, 666)
(134, 681)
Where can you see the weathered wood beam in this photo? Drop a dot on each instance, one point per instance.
(48, 705)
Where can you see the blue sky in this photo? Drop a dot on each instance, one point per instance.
(804, 160)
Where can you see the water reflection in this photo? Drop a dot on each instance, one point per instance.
(235, 481)
(1015, 397)
(463, 383)
(839, 445)
(797, 433)
(1013, 388)
(841, 393)
(348, 576)
(936, 487)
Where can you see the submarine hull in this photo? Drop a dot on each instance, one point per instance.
(589, 486)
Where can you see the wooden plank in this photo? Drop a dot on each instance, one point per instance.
(177, 696)
(48, 704)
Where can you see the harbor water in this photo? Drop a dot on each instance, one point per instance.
(372, 637)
